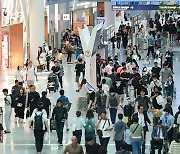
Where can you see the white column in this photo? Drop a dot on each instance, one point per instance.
(51, 25)
(36, 16)
(109, 14)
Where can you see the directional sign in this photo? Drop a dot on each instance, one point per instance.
(169, 7)
(134, 7)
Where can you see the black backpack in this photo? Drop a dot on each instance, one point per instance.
(38, 122)
(128, 110)
(113, 100)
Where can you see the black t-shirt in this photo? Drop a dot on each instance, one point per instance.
(92, 149)
(1, 127)
(55, 69)
(46, 102)
(79, 68)
(156, 71)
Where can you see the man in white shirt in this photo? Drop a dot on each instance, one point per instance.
(31, 74)
(105, 87)
(155, 82)
(8, 110)
(105, 126)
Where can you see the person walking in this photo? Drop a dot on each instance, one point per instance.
(33, 98)
(104, 128)
(20, 105)
(60, 115)
(143, 120)
(175, 145)
(46, 102)
(119, 132)
(31, 74)
(74, 147)
(112, 104)
(90, 126)
(40, 124)
(8, 110)
(137, 135)
(164, 74)
(168, 122)
(77, 124)
(19, 75)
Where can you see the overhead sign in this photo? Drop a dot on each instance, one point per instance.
(51, 2)
(169, 7)
(134, 7)
(145, 7)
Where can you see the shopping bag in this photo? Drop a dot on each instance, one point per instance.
(159, 99)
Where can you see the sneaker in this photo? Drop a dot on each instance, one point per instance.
(77, 90)
(60, 144)
(6, 132)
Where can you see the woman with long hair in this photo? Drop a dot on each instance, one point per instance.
(20, 105)
(19, 75)
(82, 100)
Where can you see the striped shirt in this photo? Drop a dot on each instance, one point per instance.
(174, 147)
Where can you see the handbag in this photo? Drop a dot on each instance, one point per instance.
(100, 132)
(159, 99)
(134, 131)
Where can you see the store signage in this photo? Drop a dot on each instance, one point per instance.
(51, 2)
(169, 7)
(66, 17)
(134, 7)
(145, 7)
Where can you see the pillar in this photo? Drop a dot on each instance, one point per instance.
(36, 22)
(63, 8)
(51, 25)
(109, 14)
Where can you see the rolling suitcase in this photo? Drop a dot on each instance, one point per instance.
(52, 125)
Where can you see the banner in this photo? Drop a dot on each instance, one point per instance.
(51, 2)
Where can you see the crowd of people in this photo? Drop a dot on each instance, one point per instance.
(138, 98)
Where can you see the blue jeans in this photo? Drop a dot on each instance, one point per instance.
(136, 145)
(169, 93)
(113, 112)
(59, 130)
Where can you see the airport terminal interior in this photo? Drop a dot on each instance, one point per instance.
(109, 69)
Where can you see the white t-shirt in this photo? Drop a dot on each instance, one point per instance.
(31, 72)
(108, 69)
(19, 75)
(44, 116)
(141, 119)
(107, 124)
(105, 87)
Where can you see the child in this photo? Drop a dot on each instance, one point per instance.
(169, 85)
(127, 137)
(1, 133)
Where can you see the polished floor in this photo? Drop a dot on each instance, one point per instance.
(21, 140)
